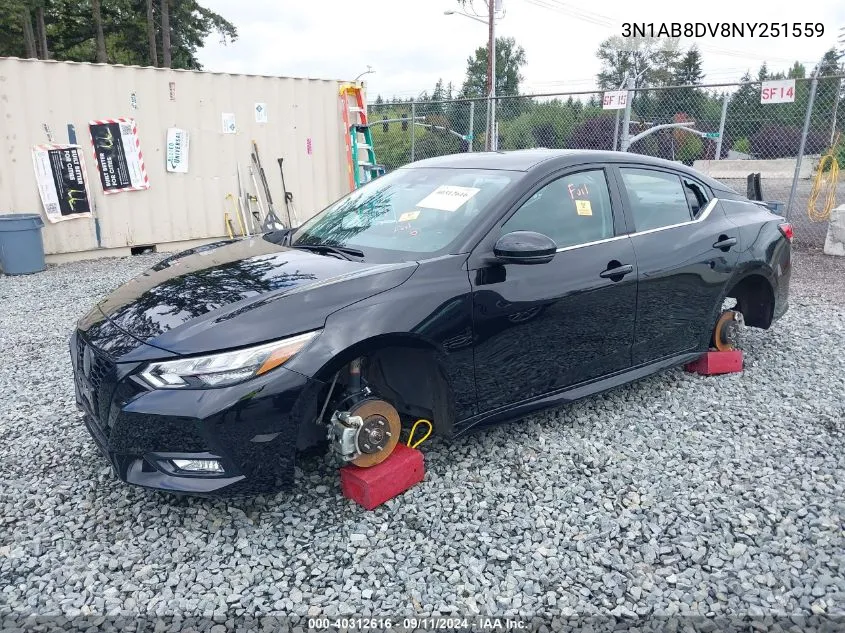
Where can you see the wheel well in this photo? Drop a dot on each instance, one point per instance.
(406, 372)
(755, 299)
(412, 379)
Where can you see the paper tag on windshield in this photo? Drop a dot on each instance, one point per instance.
(582, 207)
(448, 197)
(409, 215)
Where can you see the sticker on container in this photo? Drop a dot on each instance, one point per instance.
(178, 144)
(582, 207)
(229, 126)
(409, 215)
(60, 175)
(117, 151)
(261, 113)
(448, 197)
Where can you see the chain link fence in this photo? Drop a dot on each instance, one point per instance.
(722, 129)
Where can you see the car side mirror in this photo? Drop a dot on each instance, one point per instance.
(525, 247)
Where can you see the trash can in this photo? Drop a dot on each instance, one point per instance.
(21, 246)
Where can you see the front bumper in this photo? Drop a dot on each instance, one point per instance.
(251, 428)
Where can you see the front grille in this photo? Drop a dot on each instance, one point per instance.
(101, 374)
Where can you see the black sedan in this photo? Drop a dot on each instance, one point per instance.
(467, 289)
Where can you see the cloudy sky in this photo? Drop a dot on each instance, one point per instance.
(410, 44)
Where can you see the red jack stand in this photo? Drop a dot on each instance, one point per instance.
(714, 362)
(370, 487)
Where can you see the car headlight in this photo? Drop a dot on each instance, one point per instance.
(225, 368)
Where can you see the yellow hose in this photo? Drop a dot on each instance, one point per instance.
(824, 186)
(411, 442)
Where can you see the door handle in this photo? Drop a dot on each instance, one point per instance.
(616, 272)
(725, 243)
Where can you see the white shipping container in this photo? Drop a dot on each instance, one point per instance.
(40, 99)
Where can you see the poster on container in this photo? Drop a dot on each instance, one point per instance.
(117, 151)
(178, 146)
(60, 175)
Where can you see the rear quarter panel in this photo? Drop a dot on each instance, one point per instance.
(764, 250)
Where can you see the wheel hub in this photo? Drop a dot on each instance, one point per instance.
(373, 434)
(367, 433)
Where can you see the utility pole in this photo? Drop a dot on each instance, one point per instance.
(491, 75)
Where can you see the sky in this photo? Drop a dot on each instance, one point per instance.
(411, 44)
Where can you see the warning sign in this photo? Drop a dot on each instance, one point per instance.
(583, 207)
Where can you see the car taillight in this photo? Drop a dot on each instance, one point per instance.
(786, 229)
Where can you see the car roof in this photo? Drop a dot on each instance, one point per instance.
(528, 159)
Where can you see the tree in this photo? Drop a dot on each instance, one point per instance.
(510, 58)
(743, 110)
(687, 100)
(125, 32)
(98, 30)
(151, 34)
(41, 31)
(688, 70)
(798, 71)
(649, 60)
(29, 35)
(166, 49)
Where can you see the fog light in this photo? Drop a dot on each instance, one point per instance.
(198, 465)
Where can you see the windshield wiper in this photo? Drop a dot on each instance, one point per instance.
(343, 251)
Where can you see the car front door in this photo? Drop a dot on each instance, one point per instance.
(686, 251)
(543, 327)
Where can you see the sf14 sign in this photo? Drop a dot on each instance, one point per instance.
(780, 91)
(614, 100)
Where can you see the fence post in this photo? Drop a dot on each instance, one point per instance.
(800, 156)
(626, 121)
(835, 110)
(722, 126)
(487, 132)
(471, 125)
(616, 132)
(413, 127)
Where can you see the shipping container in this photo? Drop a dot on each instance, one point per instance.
(296, 119)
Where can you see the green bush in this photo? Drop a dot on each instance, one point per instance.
(742, 145)
(690, 149)
(543, 125)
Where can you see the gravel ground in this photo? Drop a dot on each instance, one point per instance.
(679, 494)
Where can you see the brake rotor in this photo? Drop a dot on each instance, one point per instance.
(726, 332)
(379, 432)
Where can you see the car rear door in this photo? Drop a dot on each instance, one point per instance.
(541, 328)
(686, 250)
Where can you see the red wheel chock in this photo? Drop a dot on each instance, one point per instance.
(370, 487)
(714, 362)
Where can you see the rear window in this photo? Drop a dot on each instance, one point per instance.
(657, 198)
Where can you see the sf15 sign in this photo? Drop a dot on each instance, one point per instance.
(781, 91)
(614, 100)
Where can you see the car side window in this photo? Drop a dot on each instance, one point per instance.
(657, 198)
(573, 209)
(697, 197)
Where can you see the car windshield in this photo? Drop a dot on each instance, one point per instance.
(406, 213)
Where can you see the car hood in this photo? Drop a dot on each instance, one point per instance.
(231, 294)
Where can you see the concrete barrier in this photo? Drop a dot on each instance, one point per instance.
(773, 168)
(834, 244)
